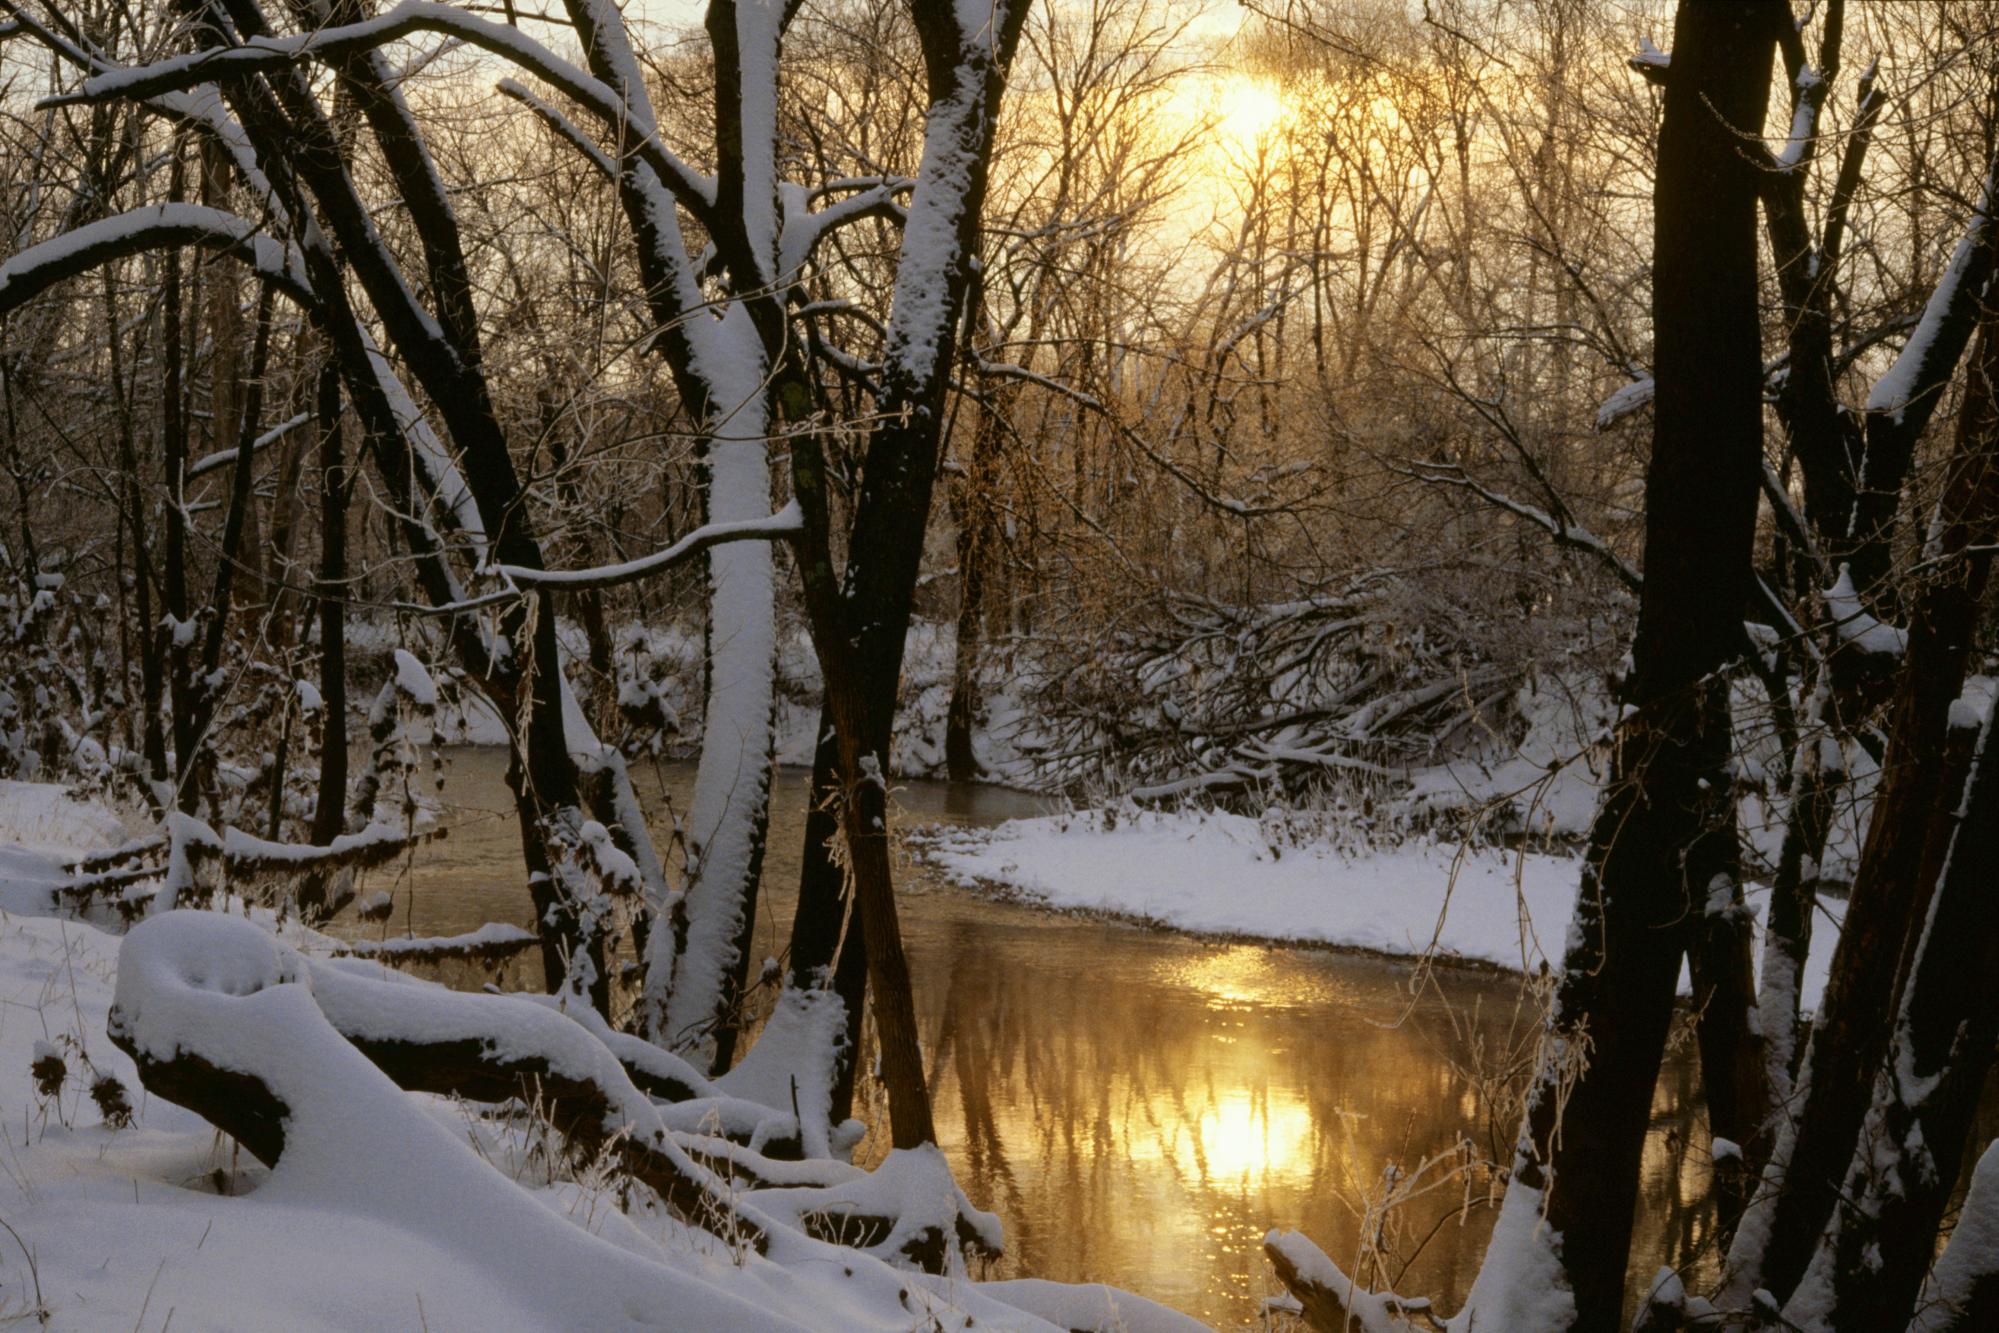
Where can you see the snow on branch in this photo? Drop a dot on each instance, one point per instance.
(222, 458)
(804, 228)
(1855, 626)
(629, 125)
(1809, 92)
(490, 943)
(781, 526)
(153, 227)
(1651, 61)
(1566, 532)
(1926, 360)
(301, 1060)
(1628, 398)
(1333, 1301)
(563, 127)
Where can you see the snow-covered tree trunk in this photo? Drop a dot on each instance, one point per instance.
(697, 943)
(966, 49)
(727, 821)
(1962, 1294)
(1898, 867)
(1869, 1262)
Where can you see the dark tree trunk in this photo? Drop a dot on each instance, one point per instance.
(151, 676)
(177, 632)
(1916, 801)
(1869, 1264)
(294, 137)
(331, 593)
(1664, 828)
(241, 501)
(885, 548)
(975, 532)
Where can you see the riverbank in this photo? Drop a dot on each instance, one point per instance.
(1231, 877)
(129, 1212)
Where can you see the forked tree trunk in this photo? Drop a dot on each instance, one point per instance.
(966, 56)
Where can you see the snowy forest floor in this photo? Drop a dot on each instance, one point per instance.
(124, 1211)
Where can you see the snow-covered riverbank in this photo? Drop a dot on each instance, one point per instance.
(1228, 875)
(396, 1211)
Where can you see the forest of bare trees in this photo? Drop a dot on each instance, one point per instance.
(1403, 417)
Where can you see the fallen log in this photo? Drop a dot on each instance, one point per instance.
(423, 1038)
(1331, 1301)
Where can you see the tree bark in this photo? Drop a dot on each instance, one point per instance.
(966, 67)
(1664, 827)
(1900, 858)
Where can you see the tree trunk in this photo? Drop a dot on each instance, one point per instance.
(975, 532)
(1899, 862)
(177, 631)
(966, 64)
(1664, 826)
(329, 813)
(1870, 1261)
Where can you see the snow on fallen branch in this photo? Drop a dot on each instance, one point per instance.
(123, 854)
(192, 849)
(222, 1018)
(245, 854)
(490, 943)
(270, 1071)
(1333, 1302)
(264, 1042)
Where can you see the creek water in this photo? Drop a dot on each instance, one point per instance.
(1140, 1107)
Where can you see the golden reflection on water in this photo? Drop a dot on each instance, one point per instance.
(1251, 974)
(1141, 1108)
(1241, 1136)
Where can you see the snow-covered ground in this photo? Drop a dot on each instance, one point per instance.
(386, 1210)
(1223, 874)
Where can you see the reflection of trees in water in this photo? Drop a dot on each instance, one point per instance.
(1132, 1127)
(1082, 1074)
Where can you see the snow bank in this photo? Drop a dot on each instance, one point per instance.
(1220, 874)
(43, 817)
(1223, 874)
(385, 1209)
(42, 828)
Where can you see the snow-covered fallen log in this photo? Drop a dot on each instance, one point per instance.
(1331, 1301)
(490, 943)
(182, 966)
(221, 1016)
(194, 1049)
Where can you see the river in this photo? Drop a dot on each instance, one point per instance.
(1140, 1107)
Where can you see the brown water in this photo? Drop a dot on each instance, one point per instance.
(1140, 1107)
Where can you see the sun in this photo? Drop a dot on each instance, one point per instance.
(1246, 109)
